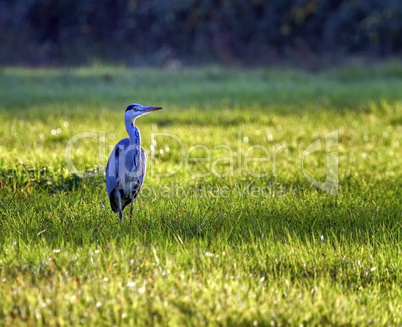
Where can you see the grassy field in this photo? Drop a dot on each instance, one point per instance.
(228, 230)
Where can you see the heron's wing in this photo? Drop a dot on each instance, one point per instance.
(136, 165)
(112, 172)
(131, 175)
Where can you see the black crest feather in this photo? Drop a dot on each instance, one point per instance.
(131, 106)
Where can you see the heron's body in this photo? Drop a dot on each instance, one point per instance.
(128, 186)
(126, 168)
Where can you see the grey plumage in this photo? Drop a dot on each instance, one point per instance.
(126, 168)
(135, 174)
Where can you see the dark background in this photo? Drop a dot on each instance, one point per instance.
(193, 32)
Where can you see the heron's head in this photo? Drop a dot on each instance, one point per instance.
(136, 110)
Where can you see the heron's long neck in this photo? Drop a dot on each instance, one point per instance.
(133, 132)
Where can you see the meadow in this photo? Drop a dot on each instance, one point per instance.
(228, 229)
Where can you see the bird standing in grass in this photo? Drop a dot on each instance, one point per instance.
(126, 168)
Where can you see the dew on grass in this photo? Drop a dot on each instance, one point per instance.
(41, 232)
(270, 137)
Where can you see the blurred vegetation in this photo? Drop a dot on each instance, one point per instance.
(159, 32)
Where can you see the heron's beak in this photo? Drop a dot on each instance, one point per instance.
(149, 109)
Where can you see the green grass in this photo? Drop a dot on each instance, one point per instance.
(221, 248)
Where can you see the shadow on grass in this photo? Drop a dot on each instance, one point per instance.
(23, 177)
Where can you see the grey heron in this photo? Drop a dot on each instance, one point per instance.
(126, 167)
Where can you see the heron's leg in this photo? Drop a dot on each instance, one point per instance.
(131, 209)
(120, 209)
